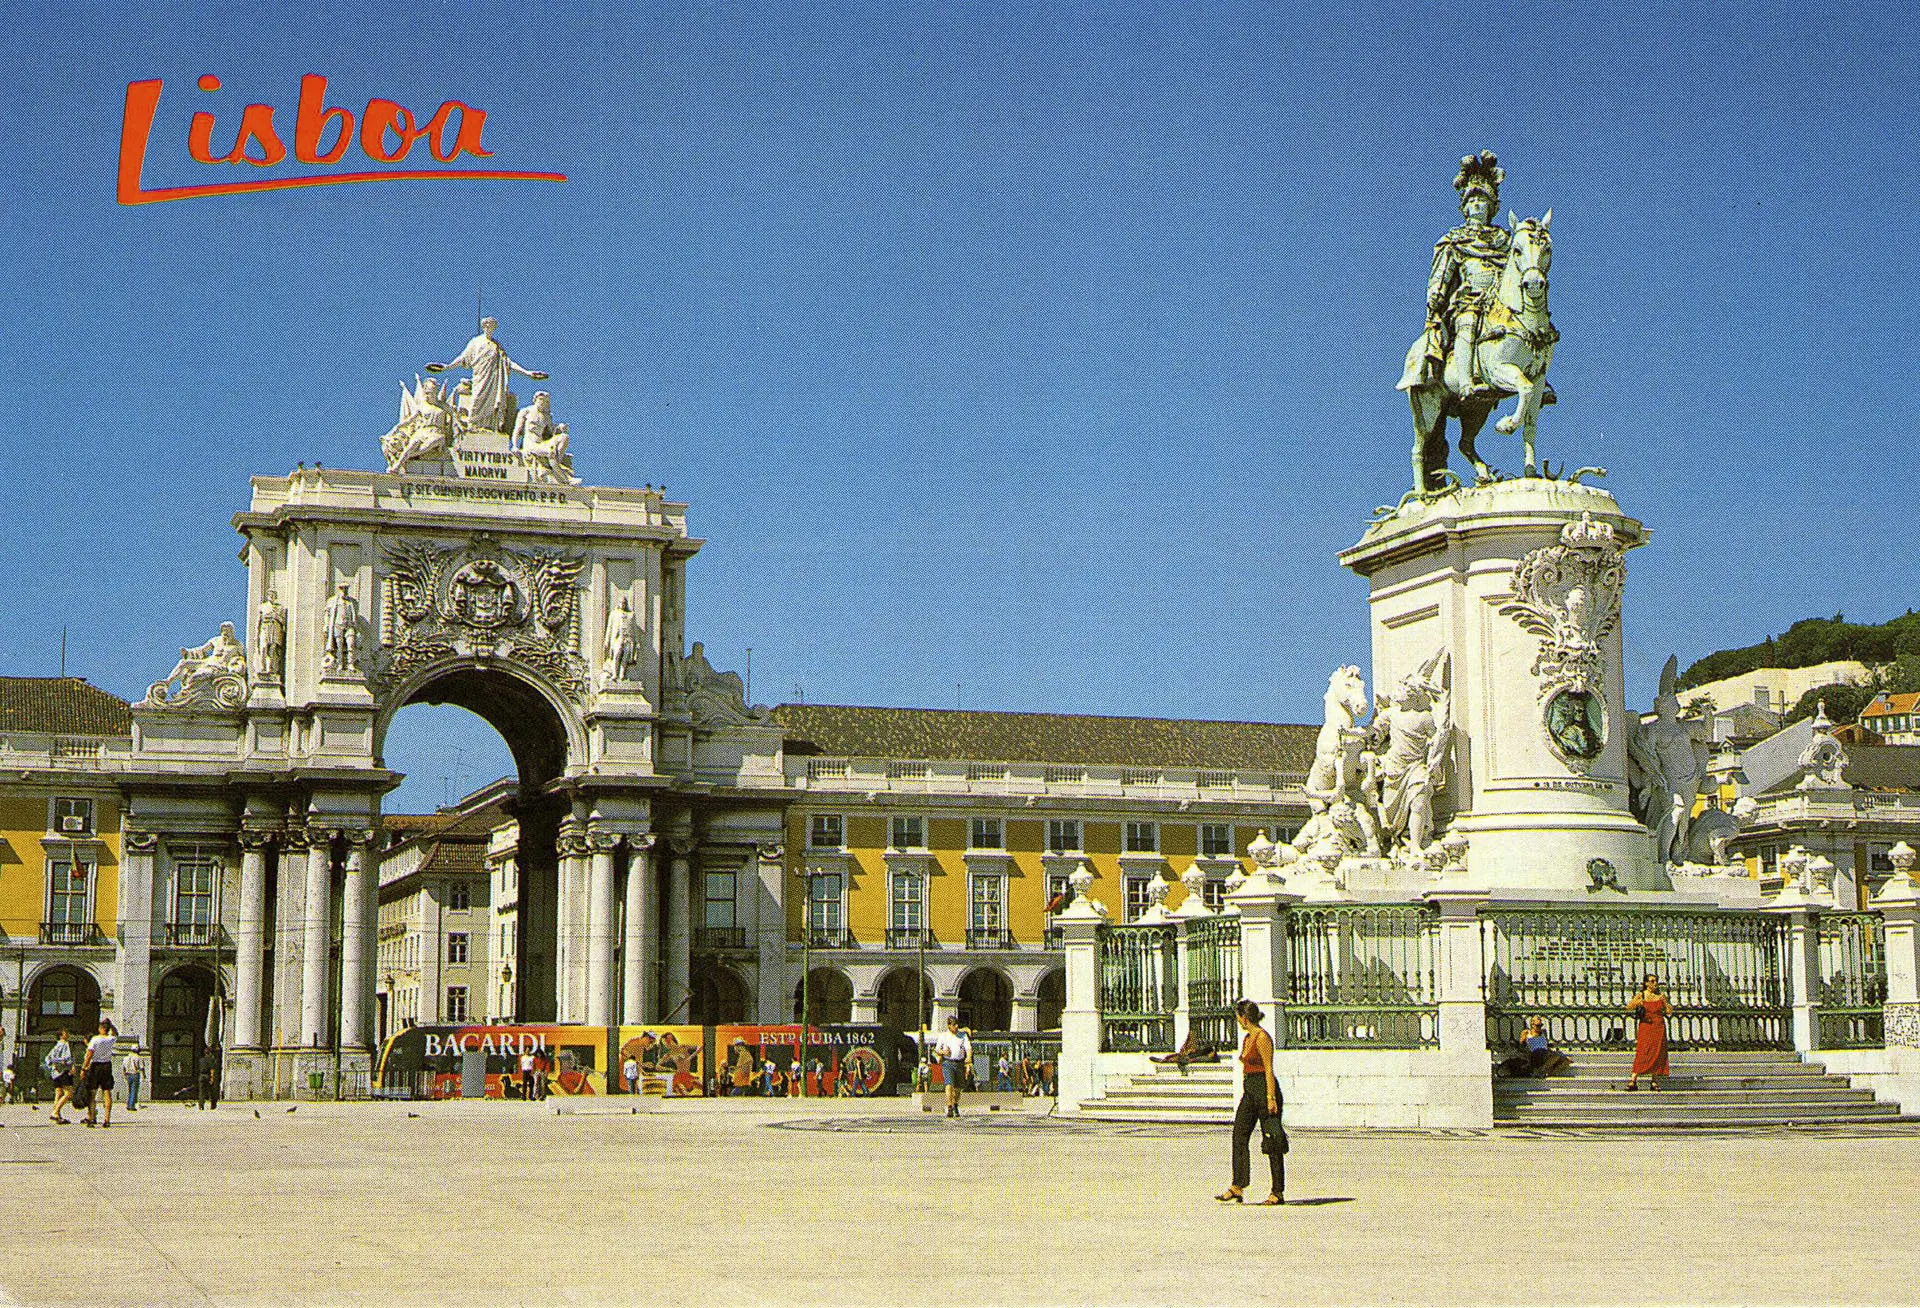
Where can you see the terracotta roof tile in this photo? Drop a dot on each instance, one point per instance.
(62, 706)
(854, 732)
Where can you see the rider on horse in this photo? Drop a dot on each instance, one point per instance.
(1467, 263)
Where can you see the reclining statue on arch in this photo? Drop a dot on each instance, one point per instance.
(1488, 335)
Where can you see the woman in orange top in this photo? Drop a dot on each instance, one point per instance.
(1259, 1098)
(1649, 1008)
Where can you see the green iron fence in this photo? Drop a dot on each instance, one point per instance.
(1853, 980)
(1139, 987)
(1213, 979)
(1724, 974)
(1363, 975)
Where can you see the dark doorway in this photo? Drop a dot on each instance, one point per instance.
(1053, 1000)
(60, 999)
(829, 997)
(719, 996)
(900, 1008)
(986, 1001)
(180, 1029)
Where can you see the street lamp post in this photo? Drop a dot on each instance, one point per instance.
(920, 986)
(806, 970)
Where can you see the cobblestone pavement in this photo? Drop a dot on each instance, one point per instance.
(502, 1204)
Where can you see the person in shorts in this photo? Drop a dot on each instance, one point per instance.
(955, 1053)
(97, 1068)
(59, 1068)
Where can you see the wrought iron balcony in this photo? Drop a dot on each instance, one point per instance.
(708, 939)
(989, 938)
(909, 938)
(194, 935)
(71, 933)
(1053, 938)
(829, 938)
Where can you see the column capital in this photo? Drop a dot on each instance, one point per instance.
(256, 840)
(602, 840)
(139, 842)
(641, 842)
(771, 852)
(682, 846)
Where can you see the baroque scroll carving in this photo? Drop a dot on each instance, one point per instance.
(484, 600)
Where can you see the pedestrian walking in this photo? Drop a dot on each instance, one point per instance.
(206, 1084)
(58, 1065)
(630, 1073)
(97, 1069)
(1005, 1081)
(526, 1075)
(1649, 1009)
(133, 1068)
(6, 1084)
(1259, 1110)
(954, 1051)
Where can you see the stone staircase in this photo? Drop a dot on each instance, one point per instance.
(1708, 1088)
(1204, 1094)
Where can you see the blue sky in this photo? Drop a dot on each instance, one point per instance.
(1045, 351)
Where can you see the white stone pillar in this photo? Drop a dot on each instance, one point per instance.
(250, 941)
(601, 844)
(357, 929)
(641, 948)
(768, 877)
(1080, 924)
(289, 916)
(1801, 912)
(674, 1002)
(866, 1008)
(1463, 999)
(137, 851)
(314, 946)
(1899, 905)
(1026, 1012)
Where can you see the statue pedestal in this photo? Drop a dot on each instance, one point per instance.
(1538, 780)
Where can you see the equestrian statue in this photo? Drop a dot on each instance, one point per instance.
(1488, 334)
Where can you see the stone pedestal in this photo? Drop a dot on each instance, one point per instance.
(1519, 584)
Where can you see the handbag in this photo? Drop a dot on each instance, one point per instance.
(1273, 1136)
(82, 1097)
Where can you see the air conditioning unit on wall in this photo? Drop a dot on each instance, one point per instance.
(73, 823)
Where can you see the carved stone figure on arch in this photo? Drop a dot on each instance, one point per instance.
(270, 638)
(488, 406)
(213, 674)
(342, 652)
(618, 654)
(425, 428)
(1413, 735)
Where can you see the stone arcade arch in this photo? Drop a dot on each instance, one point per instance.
(828, 995)
(986, 1000)
(473, 574)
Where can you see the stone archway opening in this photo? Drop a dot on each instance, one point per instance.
(181, 1039)
(900, 1008)
(986, 1001)
(720, 997)
(1052, 994)
(60, 999)
(520, 979)
(828, 996)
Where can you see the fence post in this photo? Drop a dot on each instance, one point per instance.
(1080, 925)
(1467, 1082)
(1801, 911)
(1262, 903)
(1192, 908)
(1899, 905)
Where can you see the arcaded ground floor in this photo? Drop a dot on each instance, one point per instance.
(792, 1203)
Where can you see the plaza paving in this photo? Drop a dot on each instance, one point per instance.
(804, 1203)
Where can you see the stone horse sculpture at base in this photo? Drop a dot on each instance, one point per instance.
(1514, 349)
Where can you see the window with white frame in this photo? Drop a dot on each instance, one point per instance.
(459, 897)
(196, 879)
(720, 899)
(1216, 840)
(457, 946)
(908, 910)
(1136, 897)
(1063, 835)
(987, 833)
(69, 892)
(907, 832)
(989, 902)
(73, 816)
(827, 831)
(1213, 893)
(456, 1004)
(823, 893)
(1142, 838)
(1057, 885)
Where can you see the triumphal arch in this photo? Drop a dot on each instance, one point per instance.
(471, 567)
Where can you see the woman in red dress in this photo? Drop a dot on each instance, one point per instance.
(1649, 1009)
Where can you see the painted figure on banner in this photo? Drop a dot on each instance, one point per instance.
(488, 406)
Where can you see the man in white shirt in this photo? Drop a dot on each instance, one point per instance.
(630, 1072)
(97, 1068)
(132, 1068)
(955, 1052)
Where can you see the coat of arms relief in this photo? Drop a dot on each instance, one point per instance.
(1569, 596)
(483, 600)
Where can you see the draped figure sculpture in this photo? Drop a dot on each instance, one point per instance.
(487, 406)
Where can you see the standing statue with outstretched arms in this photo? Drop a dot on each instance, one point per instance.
(488, 406)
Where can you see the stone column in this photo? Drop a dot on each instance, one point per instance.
(601, 844)
(1080, 925)
(1192, 907)
(570, 933)
(1802, 913)
(1899, 905)
(289, 913)
(1026, 1012)
(1463, 999)
(674, 1003)
(314, 945)
(357, 930)
(137, 851)
(767, 874)
(250, 941)
(641, 941)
